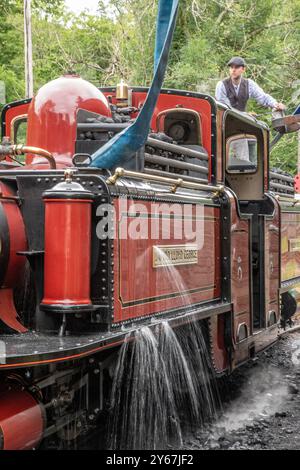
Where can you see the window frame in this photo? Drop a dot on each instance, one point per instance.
(238, 137)
(14, 130)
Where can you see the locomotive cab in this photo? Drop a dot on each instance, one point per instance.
(246, 143)
(246, 158)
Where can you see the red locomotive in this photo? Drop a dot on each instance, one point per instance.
(69, 294)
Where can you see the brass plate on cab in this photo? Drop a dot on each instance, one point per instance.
(294, 244)
(172, 255)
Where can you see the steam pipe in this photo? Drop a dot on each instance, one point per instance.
(17, 150)
(165, 174)
(282, 186)
(158, 160)
(278, 176)
(176, 149)
(103, 126)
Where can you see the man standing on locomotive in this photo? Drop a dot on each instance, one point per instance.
(236, 90)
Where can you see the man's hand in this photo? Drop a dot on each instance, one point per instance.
(280, 107)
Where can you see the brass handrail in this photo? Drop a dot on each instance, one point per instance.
(175, 183)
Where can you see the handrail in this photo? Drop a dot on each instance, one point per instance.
(122, 173)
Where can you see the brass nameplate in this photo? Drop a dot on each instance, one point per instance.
(294, 244)
(172, 255)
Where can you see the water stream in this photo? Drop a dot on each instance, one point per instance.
(162, 382)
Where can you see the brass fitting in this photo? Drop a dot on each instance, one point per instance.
(114, 178)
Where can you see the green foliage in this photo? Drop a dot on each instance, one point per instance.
(119, 41)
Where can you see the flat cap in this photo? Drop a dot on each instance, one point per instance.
(239, 61)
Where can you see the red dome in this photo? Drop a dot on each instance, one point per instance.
(52, 116)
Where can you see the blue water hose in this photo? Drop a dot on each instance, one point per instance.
(125, 144)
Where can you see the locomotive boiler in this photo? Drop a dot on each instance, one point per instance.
(86, 248)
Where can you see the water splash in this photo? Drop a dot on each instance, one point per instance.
(174, 277)
(162, 381)
(194, 345)
(159, 388)
(143, 410)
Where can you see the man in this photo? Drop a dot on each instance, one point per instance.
(235, 90)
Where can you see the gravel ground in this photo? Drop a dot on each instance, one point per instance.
(261, 404)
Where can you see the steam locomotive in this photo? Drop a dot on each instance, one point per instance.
(70, 294)
(191, 226)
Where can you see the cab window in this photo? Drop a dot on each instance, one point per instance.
(241, 154)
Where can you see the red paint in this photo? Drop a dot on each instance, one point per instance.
(21, 420)
(272, 263)
(16, 263)
(67, 252)
(219, 350)
(52, 116)
(152, 289)
(8, 313)
(17, 236)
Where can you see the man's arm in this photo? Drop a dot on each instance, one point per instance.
(221, 94)
(263, 98)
